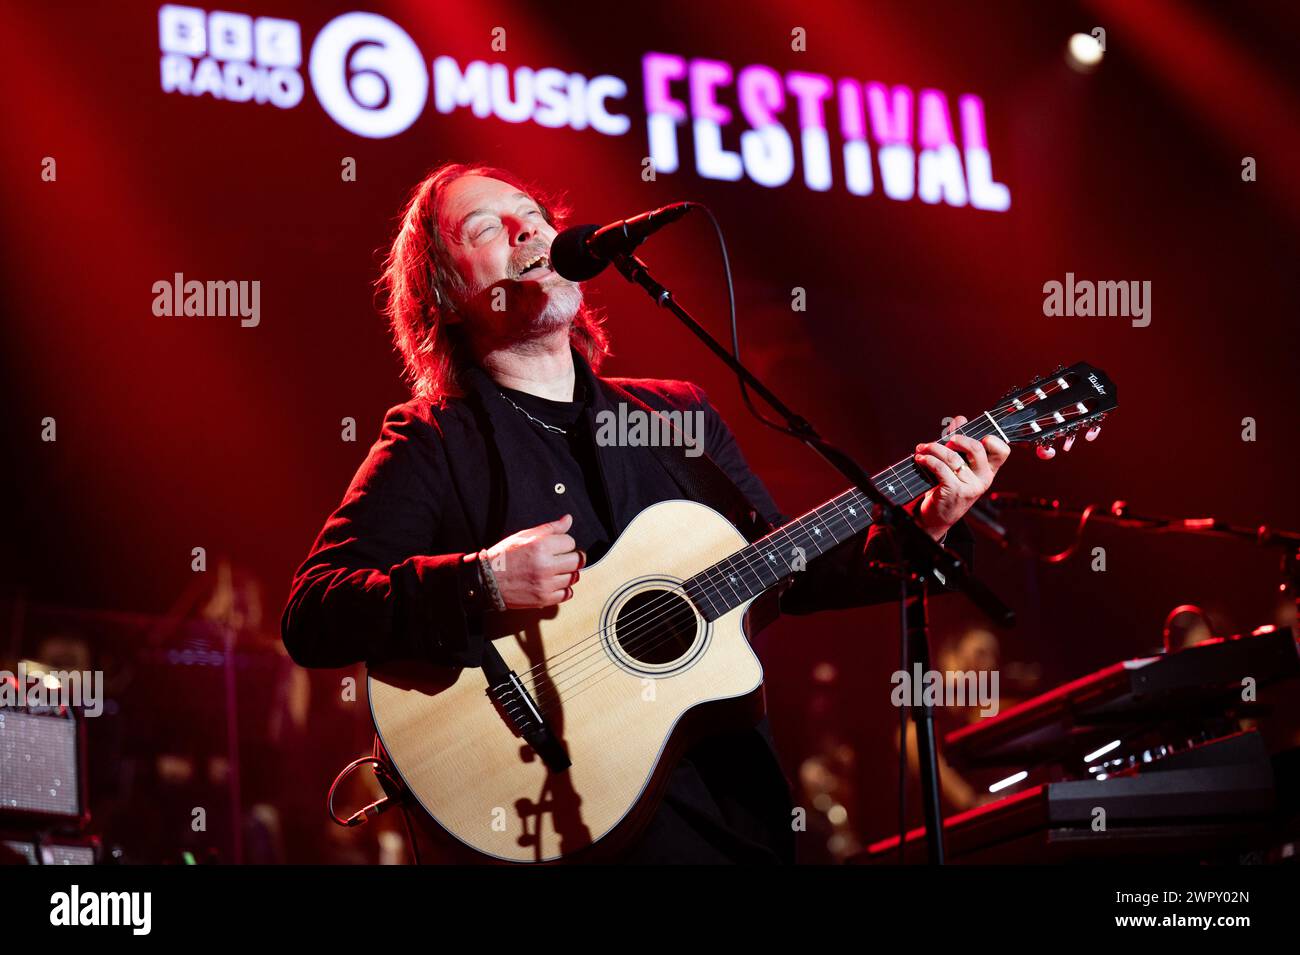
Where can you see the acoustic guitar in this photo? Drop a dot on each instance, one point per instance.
(564, 750)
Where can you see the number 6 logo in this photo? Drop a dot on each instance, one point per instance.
(368, 75)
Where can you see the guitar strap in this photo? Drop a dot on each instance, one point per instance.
(700, 478)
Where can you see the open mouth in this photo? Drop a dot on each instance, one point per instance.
(541, 263)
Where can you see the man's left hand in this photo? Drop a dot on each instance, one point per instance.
(964, 469)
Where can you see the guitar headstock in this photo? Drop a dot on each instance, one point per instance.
(1057, 405)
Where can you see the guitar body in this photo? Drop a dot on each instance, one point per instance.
(626, 672)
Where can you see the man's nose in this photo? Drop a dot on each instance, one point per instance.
(523, 231)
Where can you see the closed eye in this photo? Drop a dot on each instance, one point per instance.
(492, 225)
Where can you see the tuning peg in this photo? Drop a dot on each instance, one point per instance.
(1068, 443)
(1045, 452)
(1091, 433)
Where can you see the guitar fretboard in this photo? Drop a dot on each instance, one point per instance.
(762, 564)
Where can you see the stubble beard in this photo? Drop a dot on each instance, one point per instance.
(562, 304)
(527, 318)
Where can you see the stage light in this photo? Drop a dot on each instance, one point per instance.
(1009, 781)
(1105, 749)
(1084, 52)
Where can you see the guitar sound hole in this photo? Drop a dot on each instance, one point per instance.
(655, 627)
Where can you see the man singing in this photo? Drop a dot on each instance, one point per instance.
(493, 470)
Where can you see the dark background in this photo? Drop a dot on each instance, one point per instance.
(176, 433)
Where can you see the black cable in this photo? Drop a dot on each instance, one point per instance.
(735, 330)
(1061, 556)
(1064, 555)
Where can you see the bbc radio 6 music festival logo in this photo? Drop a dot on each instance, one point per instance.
(372, 79)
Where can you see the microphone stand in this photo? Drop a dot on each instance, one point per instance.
(922, 559)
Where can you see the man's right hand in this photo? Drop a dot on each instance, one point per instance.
(537, 567)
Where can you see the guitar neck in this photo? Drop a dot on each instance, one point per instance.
(761, 565)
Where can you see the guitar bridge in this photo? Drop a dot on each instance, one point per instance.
(521, 713)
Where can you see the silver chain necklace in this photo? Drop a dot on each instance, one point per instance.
(548, 427)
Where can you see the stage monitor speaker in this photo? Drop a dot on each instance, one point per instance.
(41, 767)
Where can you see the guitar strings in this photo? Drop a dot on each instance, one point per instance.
(644, 619)
(658, 611)
(556, 692)
(1022, 431)
(711, 575)
(647, 637)
(646, 642)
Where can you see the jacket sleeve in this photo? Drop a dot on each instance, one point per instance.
(369, 591)
(840, 578)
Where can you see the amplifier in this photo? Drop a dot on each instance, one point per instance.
(41, 759)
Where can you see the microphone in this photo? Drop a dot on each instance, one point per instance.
(582, 252)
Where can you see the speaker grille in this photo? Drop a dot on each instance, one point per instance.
(38, 765)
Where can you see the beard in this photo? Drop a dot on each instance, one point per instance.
(563, 300)
(531, 308)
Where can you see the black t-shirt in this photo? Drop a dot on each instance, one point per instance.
(573, 464)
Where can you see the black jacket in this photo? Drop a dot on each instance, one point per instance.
(385, 579)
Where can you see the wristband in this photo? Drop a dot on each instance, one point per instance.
(490, 581)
